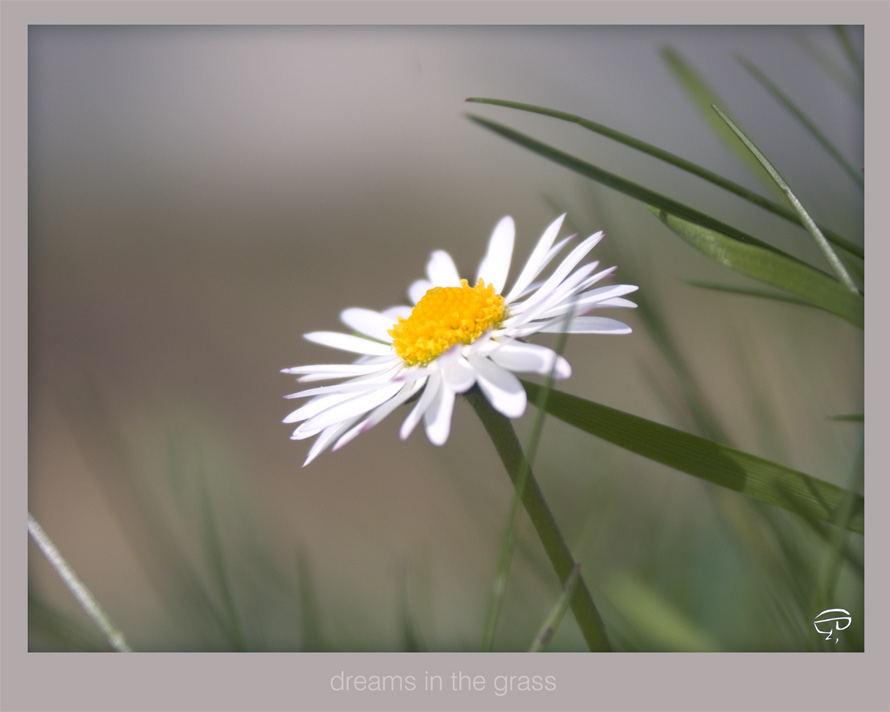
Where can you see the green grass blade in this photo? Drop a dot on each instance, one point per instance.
(678, 162)
(551, 623)
(808, 222)
(796, 112)
(852, 86)
(792, 276)
(622, 185)
(750, 475)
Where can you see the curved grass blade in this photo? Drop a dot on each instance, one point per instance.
(678, 162)
(809, 224)
(727, 467)
(792, 276)
(852, 86)
(622, 185)
(795, 111)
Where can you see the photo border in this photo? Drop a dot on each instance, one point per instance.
(296, 681)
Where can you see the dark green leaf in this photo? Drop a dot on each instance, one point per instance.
(724, 466)
(766, 266)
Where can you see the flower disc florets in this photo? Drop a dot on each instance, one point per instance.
(446, 316)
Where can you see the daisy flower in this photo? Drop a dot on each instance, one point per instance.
(456, 336)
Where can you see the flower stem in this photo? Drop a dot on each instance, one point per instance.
(501, 432)
(86, 599)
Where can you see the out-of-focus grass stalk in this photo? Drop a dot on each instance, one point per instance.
(80, 592)
(501, 432)
(830, 255)
(545, 635)
(802, 118)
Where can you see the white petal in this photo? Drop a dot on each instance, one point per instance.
(316, 406)
(380, 412)
(585, 301)
(355, 407)
(347, 342)
(559, 297)
(531, 358)
(418, 289)
(495, 265)
(537, 260)
(441, 270)
(394, 313)
(587, 325)
(617, 302)
(369, 323)
(324, 440)
(433, 384)
(334, 370)
(459, 375)
(353, 386)
(501, 388)
(437, 419)
(562, 272)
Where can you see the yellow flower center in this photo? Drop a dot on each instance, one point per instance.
(446, 316)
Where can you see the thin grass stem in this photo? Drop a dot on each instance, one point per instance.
(830, 255)
(80, 592)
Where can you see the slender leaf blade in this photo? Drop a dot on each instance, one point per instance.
(720, 465)
(771, 268)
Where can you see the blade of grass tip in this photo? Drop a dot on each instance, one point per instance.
(808, 222)
(551, 623)
(677, 162)
(511, 535)
(80, 592)
(798, 114)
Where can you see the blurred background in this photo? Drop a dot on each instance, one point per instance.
(201, 197)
